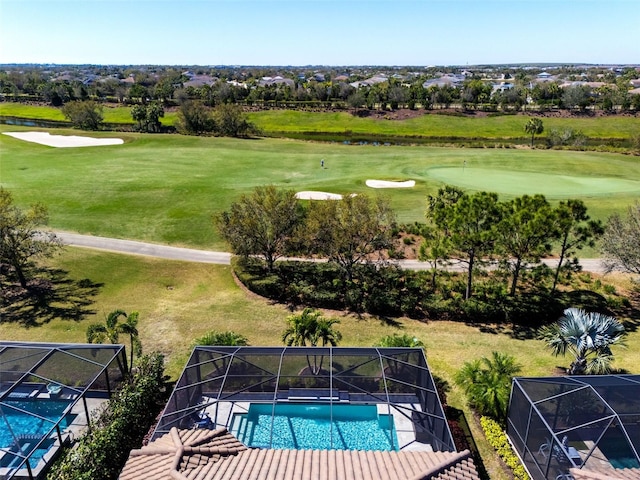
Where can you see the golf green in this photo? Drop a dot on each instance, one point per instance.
(511, 182)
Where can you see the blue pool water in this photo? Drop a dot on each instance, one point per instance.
(22, 424)
(618, 452)
(309, 426)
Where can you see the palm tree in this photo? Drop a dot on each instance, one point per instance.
(309, 327)
(111, 330)
(397, 368)
(535, 127)
(130, 327)
(325, 333)
(487, 383)
(99, 332)
(229, 339)
(403, 340)
(588, 336)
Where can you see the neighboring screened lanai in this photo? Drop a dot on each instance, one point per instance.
(46, 394)
(220, 386)
(560, 425)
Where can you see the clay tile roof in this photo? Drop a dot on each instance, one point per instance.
(217, 455)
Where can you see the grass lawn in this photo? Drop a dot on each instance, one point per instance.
(165, 188)
(433, 125)
(429, 125)
(110, 114)
(180, 301)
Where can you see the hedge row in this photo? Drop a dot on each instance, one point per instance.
(498, 440)
(101, 453)
(393, 292)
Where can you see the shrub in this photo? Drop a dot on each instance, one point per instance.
(86, 115)
(566, 137)
(228, 338)
(487, 383)
(498, 440)
(101, 453)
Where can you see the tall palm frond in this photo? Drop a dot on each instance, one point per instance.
(487, 383)
(325, 333)
(587, 336)
(111, 330)
(403, 340)
(228, 338)
(130, 327)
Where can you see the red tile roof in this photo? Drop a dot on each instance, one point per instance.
(218, 455)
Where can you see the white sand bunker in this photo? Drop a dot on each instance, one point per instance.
(386, 184)
(311, 195)
(63, 141)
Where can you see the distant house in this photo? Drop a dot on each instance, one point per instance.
(582, 84)
(200, 80)
(502, 87)
(277, 80)
(378, 78)
(447, 80)
(236, 84)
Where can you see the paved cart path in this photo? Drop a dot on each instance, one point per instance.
(224, 258)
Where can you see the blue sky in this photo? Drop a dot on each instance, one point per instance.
(328, 32)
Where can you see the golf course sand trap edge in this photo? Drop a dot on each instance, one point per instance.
(387, 184)
(312, 195)
(63, 141)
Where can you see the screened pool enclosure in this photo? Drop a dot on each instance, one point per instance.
(586, 422)
(46, 395)
(255, 392)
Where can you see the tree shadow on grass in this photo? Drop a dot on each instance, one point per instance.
(526, 313)
(50, 295)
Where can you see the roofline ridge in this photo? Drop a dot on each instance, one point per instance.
(456, 458)
(139, 452)
(218, 432)
(175, 472)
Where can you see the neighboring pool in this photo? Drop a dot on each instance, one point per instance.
(308, 426)
(22, 424)
(618, 452)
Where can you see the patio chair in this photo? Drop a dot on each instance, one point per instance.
(545, 448)
(203, 421)
(565, 476)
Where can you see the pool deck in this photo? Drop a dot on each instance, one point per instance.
(221, 413)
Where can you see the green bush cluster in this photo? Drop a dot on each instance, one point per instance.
(391, 291)
(498, 440)
(118, 428)
(380, 291)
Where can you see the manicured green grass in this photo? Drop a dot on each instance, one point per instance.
(165, 188)
(505, 126)
(180, 301)
(510, 182)
(23, 110)
(120, 114)
(428, 125)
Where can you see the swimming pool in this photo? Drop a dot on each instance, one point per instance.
(618, 452)
(22, 424)
(315, 426)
